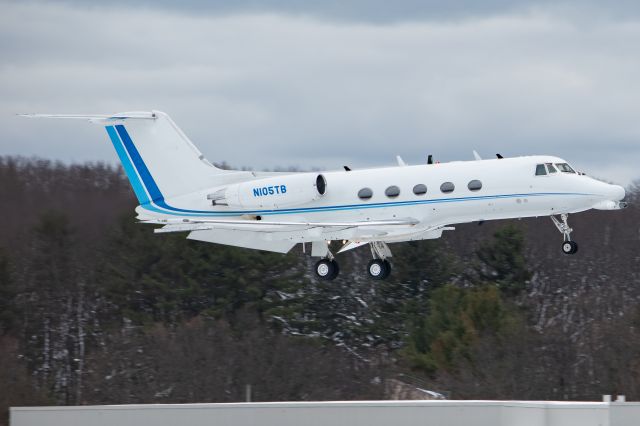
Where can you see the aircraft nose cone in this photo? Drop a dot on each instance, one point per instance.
(617, 192)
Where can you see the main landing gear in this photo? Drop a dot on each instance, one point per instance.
(379, 268)
(327, 269)
(568, 246)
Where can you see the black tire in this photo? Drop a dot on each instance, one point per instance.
(569, 247)
(387, 267)
(327, 270)
(336, 270)
(575, 247)
(378, 269)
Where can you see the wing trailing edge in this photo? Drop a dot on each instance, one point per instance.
(186, 225)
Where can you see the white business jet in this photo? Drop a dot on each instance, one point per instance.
(179, 189)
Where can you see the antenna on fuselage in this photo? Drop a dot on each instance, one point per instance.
(430, 159)
(347, 168)
(500, 157)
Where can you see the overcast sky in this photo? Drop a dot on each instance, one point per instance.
(322, 84)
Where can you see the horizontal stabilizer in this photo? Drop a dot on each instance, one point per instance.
(136, 115)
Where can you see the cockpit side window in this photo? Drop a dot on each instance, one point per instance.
(551, 168)
(540, 170)
(565, 168)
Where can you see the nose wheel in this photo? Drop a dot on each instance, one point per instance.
(568, 246)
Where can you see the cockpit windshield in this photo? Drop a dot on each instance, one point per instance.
(550, 168)
(565, 168)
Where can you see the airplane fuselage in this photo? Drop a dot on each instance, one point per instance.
(481, 190)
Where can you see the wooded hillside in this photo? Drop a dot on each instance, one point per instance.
(96, 309)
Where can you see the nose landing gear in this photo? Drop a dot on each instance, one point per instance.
(568, 246)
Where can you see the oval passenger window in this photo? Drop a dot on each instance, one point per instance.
(365, 193)
(475, 185)
(447, 187)
(420, 189)
(392, 191)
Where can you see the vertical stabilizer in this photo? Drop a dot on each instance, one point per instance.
(158, 158)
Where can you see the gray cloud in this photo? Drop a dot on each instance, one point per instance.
(382, 11)
(268, 89)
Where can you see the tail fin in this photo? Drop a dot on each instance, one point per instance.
(159, 160)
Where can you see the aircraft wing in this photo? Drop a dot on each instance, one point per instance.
(186, 225)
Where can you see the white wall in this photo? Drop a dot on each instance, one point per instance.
(360, 413)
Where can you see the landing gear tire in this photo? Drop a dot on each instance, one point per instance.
(327, 270)
(379, 269)
(336, 269)
(387, 267)
(569, 247)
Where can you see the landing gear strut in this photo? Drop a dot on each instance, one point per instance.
(379, 267)
(568, 246)
(327, 268)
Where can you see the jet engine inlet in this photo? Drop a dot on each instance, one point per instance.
(321, 184)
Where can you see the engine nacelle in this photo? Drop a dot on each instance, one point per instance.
(271, 193)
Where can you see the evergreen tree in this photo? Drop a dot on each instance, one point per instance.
(150, 278)
(340, 312)
(458, 318)
(503, 262)
(8, 310)
(360, 313)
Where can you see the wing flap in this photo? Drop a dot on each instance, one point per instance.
(205, 223)
(242, 239)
